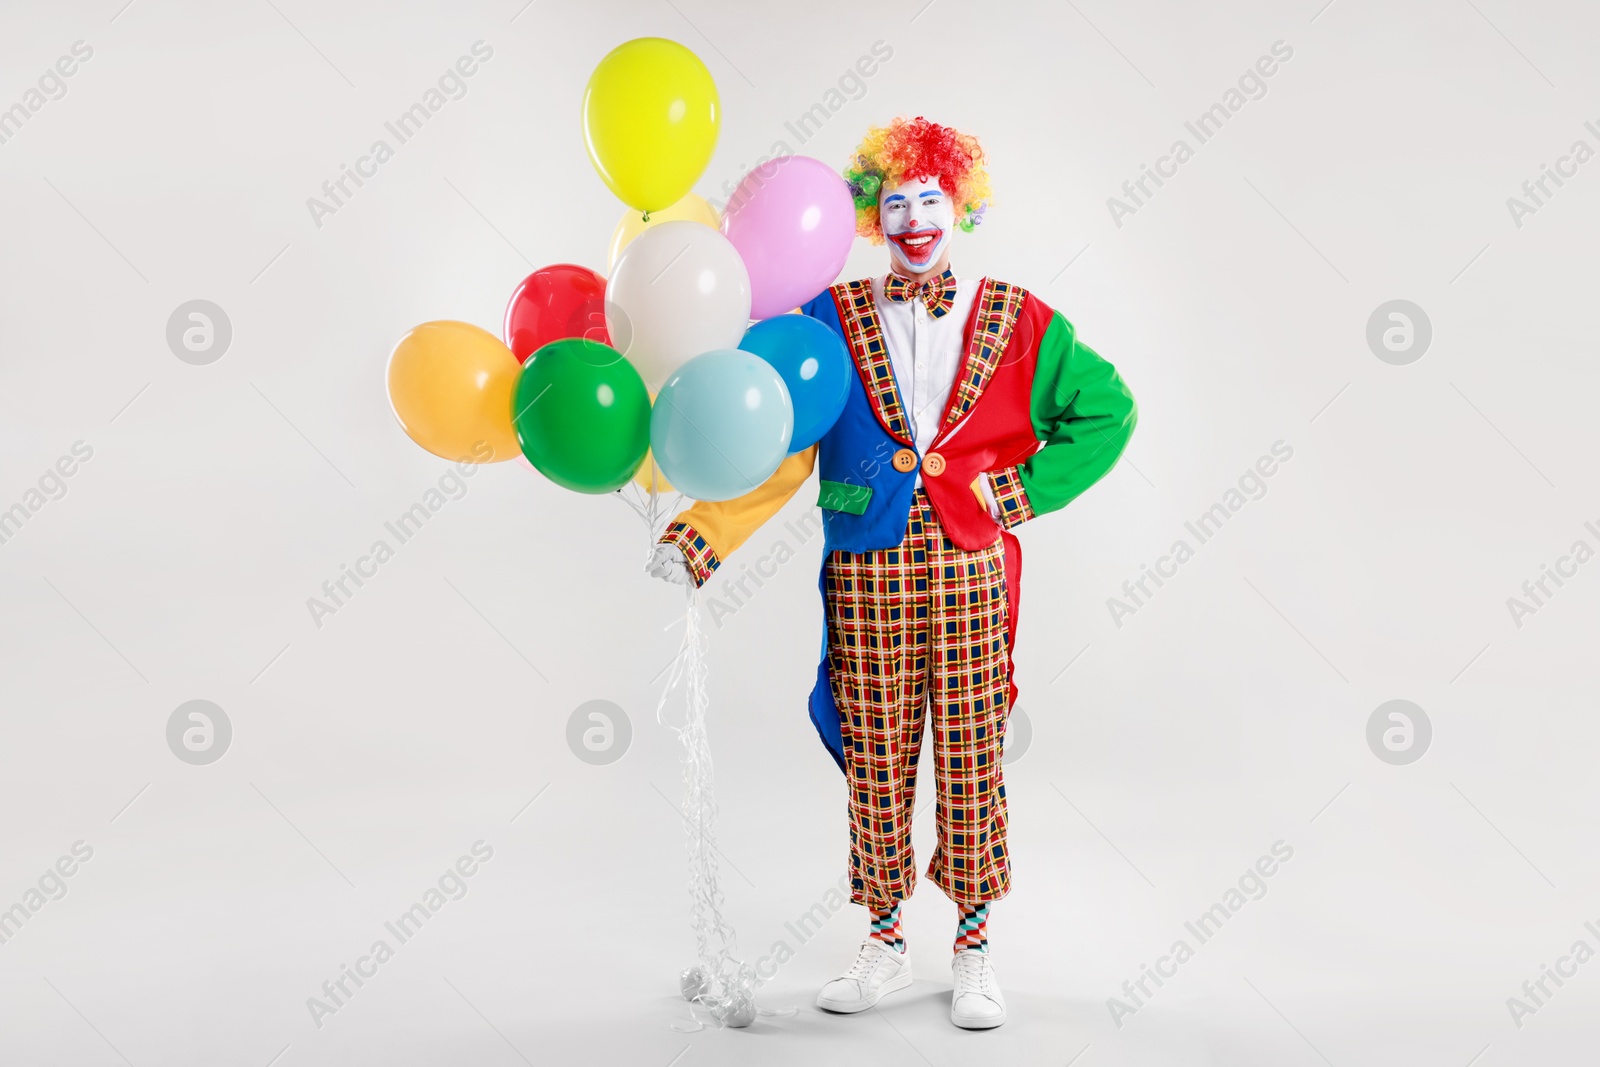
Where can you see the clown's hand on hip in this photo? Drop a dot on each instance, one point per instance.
(668, 564)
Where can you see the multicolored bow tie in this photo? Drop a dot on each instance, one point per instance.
(938, 293)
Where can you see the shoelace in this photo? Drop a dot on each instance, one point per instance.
(866, 961)
(975, 974)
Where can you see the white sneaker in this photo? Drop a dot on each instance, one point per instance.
(976, 1003)
(878, 970)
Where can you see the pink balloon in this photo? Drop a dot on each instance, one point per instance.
(792, 220)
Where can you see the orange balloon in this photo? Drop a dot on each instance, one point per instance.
(450, 384)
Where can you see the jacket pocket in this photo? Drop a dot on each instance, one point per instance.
(842, 496)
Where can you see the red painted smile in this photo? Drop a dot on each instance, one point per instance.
(918, 245)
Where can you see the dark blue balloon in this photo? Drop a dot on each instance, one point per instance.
(815, 365)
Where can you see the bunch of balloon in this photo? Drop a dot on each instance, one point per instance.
(671, 379)
(679, 372)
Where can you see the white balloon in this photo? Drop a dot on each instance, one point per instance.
(677, 290)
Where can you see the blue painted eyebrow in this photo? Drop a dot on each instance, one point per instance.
(892, 197)
(931, 192)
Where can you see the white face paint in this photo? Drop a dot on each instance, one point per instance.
(917, 218)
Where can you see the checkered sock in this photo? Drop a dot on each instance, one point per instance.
(973, 929)
(886, 926)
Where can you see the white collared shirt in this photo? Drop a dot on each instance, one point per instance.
(926, 354)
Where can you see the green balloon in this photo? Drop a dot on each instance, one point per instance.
(582, 415)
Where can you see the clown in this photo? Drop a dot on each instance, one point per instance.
(975, 408)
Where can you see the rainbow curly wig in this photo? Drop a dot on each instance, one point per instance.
(917, 148)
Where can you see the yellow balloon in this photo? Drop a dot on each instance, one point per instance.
(450, 384)
(650, 119)
(648, 470)
(690, 209)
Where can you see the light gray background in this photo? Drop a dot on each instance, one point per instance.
(1229, 713)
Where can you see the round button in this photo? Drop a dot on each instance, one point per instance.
(904, 460)
(933, 464)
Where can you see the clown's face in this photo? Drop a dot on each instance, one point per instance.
(917, 218)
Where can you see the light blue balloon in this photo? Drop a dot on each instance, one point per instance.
(721, 424)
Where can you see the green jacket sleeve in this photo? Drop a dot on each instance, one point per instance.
(1083, 414)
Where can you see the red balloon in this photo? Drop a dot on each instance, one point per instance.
(554, 303)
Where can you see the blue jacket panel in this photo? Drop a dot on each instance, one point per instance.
(857, 451)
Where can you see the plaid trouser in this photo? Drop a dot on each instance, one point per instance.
(918, 625)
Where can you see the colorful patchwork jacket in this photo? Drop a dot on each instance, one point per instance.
(1033, 410)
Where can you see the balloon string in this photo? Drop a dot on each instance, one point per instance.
(650, 507)
(728, 995)
(726, 988)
